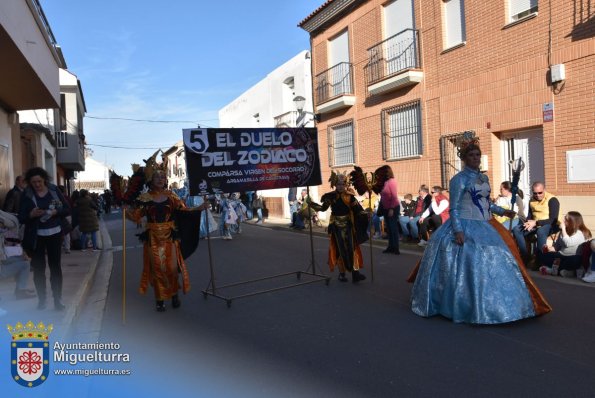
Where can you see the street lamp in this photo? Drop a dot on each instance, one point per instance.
(299, 103)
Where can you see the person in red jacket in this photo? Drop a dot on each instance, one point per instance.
(435, 215)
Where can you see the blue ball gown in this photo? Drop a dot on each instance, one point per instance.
(482, 281)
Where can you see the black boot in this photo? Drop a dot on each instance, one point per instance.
(356, 277)
(342, 277)
(175, 301)
(160, 306)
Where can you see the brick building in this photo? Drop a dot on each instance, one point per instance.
(398, 82)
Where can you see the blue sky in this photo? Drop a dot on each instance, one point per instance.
(168, 60)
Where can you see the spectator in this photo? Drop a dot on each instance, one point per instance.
(542, 219)
(565, 251)
(422, 203)
(293, 206)
(377, 219)
(389, 203)
(257, 206)
(12, 200)
(87, 218)
(504, 201)
(42, 208)
(66, 235)
(107, 201)
(435, 215)
(590, 276)
(303, 212)
(409, 207)
(12, 261)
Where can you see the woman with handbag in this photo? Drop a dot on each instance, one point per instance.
(43, 210)
(389, 206)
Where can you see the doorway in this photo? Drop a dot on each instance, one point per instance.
(529, 146)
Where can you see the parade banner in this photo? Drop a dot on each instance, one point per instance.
(226, 160)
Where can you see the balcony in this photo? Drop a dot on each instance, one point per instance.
(70, 150)
(394, 63)
(334, 88)
(287, 119)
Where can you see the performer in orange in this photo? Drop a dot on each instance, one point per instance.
(347, 219)
(163, 252)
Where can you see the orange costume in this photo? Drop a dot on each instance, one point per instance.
(162, 257)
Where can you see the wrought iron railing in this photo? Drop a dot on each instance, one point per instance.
(287, 119)
(393, 55)
(61, 139)
(334, 82)
(44, 21)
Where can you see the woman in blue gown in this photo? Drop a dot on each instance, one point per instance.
(471, 271)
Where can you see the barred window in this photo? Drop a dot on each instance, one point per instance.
(401, 131)
(340, 144)
(451, 163)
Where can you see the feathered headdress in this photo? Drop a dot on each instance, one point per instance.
(359, 180)
(468, 140)
(152, 166)
(141, 175)
(336, 177)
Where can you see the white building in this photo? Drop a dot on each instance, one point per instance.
(95, 178)
(270, 103)
(176, 165)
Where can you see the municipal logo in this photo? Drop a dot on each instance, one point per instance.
(30, 353)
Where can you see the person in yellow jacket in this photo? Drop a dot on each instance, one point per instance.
(541, 221)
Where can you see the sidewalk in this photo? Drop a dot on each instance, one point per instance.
(78, 271)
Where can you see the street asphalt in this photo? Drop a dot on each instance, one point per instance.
(340, 339)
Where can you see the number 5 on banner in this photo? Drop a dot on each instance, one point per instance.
(196, 140)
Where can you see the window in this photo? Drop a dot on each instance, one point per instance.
(340, 144)
(340, 65)
(400, 48)
(451, 164)
(519, 9)
(63, 112)
(454, 21)
(401, 131)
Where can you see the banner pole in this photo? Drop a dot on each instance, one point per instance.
(370, 229)
(123, 265)
(312, 263)
(209, 246)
